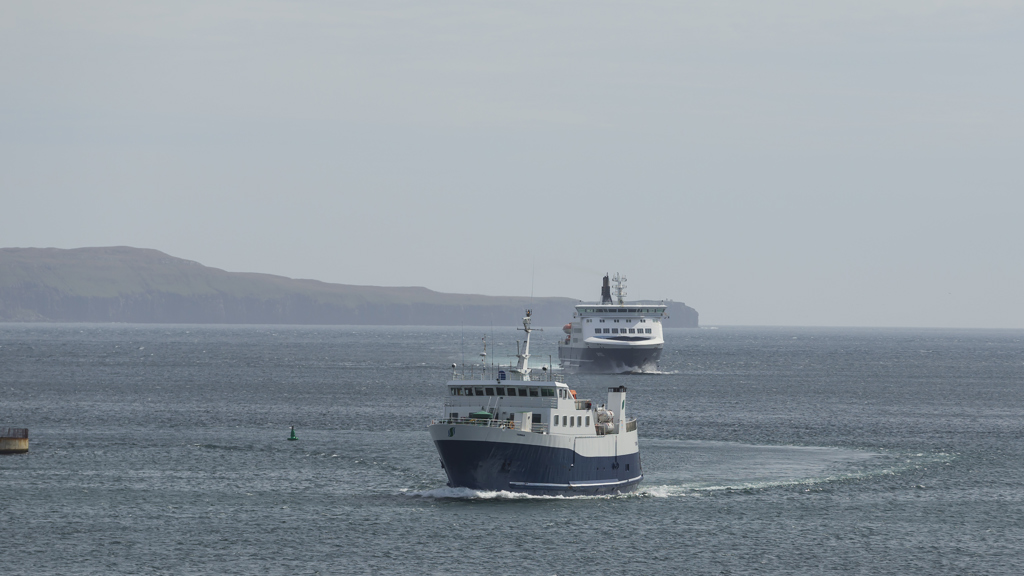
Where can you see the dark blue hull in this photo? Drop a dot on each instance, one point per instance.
(598, 360)
(532, 469)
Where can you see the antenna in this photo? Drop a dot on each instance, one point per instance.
(620, 288)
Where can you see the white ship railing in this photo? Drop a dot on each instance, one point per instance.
(511, 425)
(491, 423)
(489, 373)
(630, 427)
(454, 402)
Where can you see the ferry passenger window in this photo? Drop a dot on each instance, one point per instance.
(554, 421)
(571, 421)
(579, 420)
(601, 320)
(455, 391)
(615, 330)
(648, 330)
(547, 392)
(588, 420)
(479, 391)
(500, 391)
(489, 391)
(563, 420)
(632, 331)
(453, 415)
(534, 392)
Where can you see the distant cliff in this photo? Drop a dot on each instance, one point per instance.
(122, 284)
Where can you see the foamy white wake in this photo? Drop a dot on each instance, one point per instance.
(468, 494)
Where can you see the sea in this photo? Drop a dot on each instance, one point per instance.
(163, 449)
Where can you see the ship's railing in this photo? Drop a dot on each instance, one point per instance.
(584, 404)
(534, 402)
(492, 423)
(601, 431)
(492, 373)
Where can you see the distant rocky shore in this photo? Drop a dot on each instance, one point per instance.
(134, 285)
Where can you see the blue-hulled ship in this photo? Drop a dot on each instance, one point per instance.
(505, 430)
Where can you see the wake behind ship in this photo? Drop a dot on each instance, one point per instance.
(505, 431)
(612, 338)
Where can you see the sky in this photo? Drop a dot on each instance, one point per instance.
(796, 163)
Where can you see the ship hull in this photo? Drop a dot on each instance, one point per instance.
(491, 459)
(607, 360)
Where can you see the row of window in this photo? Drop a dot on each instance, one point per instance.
(567, 421)
(626, 320)
(509, 391)
(623, 331)
(572, 422)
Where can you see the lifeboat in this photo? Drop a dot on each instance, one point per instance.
(567, 328)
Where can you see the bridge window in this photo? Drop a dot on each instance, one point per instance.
(489, 391)
(500, 391)
(455, 391)
(547, 392)
(534, 392)
(522, 392)
(467, 391)
(479, 391)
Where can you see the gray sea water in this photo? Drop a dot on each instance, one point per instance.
(162, 450)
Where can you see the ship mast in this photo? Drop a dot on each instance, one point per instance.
(620, 288)
(523, 367)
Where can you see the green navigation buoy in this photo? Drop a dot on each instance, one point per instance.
(293, 436)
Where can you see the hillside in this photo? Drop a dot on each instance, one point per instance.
(123, 284)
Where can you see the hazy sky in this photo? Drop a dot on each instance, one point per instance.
(768, 163)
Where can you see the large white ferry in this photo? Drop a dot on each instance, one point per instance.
(613, 337)
(505, 430)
